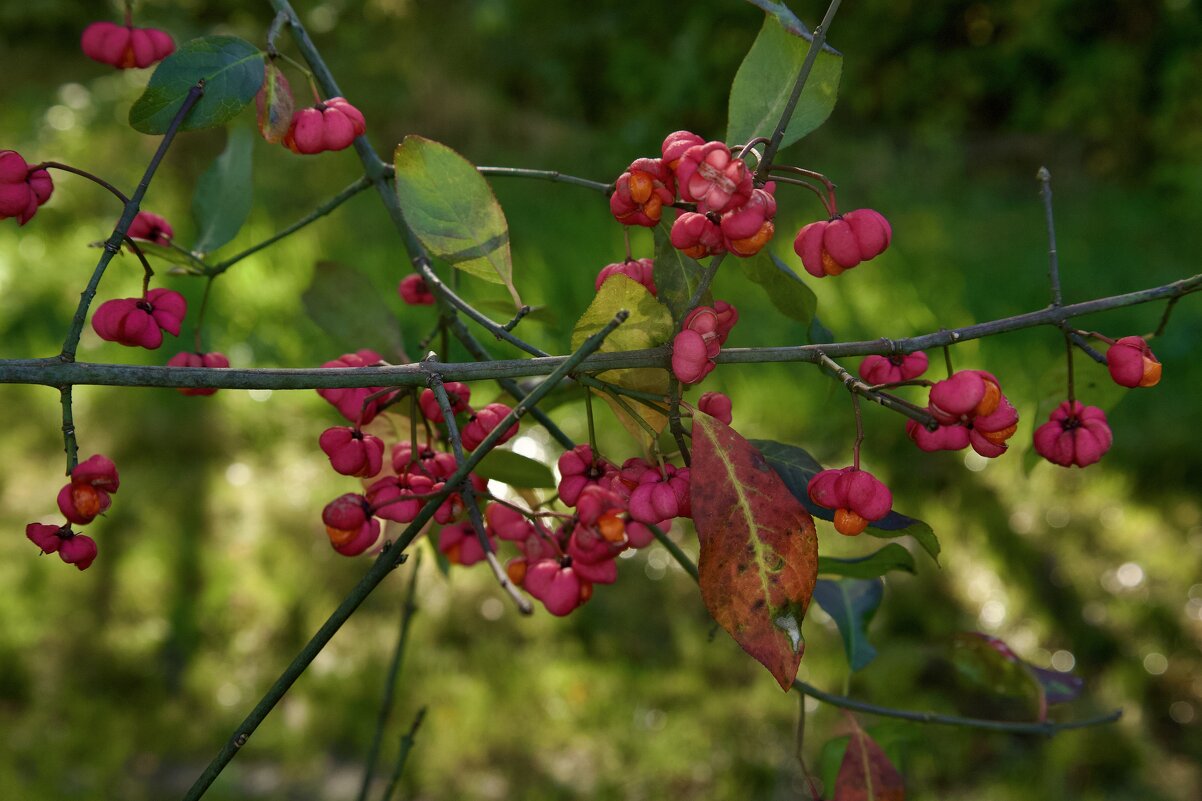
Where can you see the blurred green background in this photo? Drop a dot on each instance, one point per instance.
(121, 682)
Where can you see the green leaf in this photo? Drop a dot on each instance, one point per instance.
(898, 525)
(786, 291)
(515, 470)
(765, 80)
(232, 70)
(348, 306)
(878, 563)
(453, 211)
(852, 603)
(796, 467)
(649, 325)
(676, 275)
(223, 194)
(759, 552)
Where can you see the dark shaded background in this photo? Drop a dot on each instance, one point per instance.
(213, 570)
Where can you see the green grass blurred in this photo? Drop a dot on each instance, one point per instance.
(121, 682)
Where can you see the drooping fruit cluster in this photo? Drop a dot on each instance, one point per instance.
(703, 333)
(828, 247)
(1132, 363)
(731, 213)
(140, 322)
(87, 495)
(639, 270)
(1074, 435)
(415, 473)
(124, 46)
(330, 125)
(615, 509)
(22, 188)
(893, 369)
(971, 410)
(856, 496)
(413, 290)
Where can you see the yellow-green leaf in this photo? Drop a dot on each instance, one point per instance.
(453, 211)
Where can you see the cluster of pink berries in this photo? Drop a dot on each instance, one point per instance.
(124, 46)
(971, 410)
(1079, 435)
(417, 472)
(732, 214)
(80, 501)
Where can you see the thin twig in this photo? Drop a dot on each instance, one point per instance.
(472, 503)
(674, 390)
(111, 247)
(96, 179)
(113, 244)
(408, 608)
(891, 402)
(803, 75)
(1164, 319)
(547, 175)
(1045, 191)
(319, 212)
(52, 372)
(403, 753)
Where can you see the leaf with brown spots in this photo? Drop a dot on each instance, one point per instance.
(759, 553)
(866, 773)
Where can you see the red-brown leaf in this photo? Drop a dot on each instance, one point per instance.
(759, 553)
(274, 104)
(866, 774)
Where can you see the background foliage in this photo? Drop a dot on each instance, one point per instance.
(213, 569)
